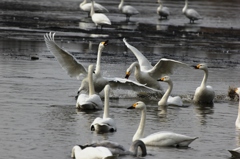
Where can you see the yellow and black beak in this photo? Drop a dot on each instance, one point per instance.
(197, 67)
(127, 75)
(161, 79)
(105, 43)
(133, 106)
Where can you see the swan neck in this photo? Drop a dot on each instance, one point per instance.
(164, 99)
(98, 66)
(204, 81)
(83, 3)
(238, 117)
(92, 9)
(140, 130)
(106, 104)
(121, 5)
(185, 7)
(138, 144)
(90, 83)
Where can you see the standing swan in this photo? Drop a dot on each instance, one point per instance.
(105, 124)
(99, 18)
(147, 74)
(204, 93)
(191, 14)
(162, 138)
(127, 10)
(163, 11)
(237, 123)
(167, 99)
(87, 7)
(91, 100)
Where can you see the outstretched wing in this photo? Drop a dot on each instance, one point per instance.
(166, 67)
(68, 62)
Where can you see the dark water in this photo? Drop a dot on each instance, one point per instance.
(38, 115)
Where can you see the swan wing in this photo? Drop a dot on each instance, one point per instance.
(166, 67)
(191, 13)
(143, 61)
(68, 62)
(175, 101)
(127, 9)
(99, 18)
(97, 7)
(235, 152)
(108, 144)
(104, 124)
(87, 102)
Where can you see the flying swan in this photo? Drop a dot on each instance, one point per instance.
(105, 124)
(162, 11)
(162, 138)
(191, 14)
(147, 74)
(128, 10)
(167, 99)
(204, 93)
(87, 7)
(90, 101)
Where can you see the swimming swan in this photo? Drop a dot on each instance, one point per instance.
(163, 11)
(105, 124)
(147, 74)
(137, 148)
(87, 7)
(127, 10)
(91, 100)
(191, 14)
(235, 152)
(162, 138)
(99, 19)
(167, 99)
(204, 93)
(237, 123)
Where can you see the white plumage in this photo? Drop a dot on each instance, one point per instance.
(163, 11)
(237, 122)
(128, 10)
(87, 7)
(191, 14)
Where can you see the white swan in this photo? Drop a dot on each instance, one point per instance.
(163, 11)
(99, 19)
(235, 152)
(167, 99)
(237, 122)
(137, 148)
(162, 138)
(147, 74)
(191, 14)
(80, 152)
(87, 7)
(91, 100)
(104, 124)
(204, 93)
(127, 10)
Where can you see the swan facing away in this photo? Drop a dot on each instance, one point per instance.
(237, 122)
(162, 138)
(235, 152)
(128, 10)
(204, 93)
(99, 19)
(87, 7)
(191, 14)
(162, 11)
(104, 124)
(167, 99)
(147, 74)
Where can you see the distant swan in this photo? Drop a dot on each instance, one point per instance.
(204, 93)
(127, 10)
(237, 123)
(163, 11)
(235, 152)
(191, 14)
(87, 7)
(105, 124)
(90, 101)
(147, 74)
(167, 99)
(99, 19)
(162, 138)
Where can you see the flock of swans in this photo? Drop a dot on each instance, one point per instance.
(100, 19)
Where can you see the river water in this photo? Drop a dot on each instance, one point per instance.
(38, 115)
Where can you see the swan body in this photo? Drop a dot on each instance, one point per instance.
(191, 14)
(162, 138)
(80, 152)
(235, 152)
(167, 99)
(91, 101)
(128, 10)
(147, 74)
(204, 93)
(99, 19)
(87, 7)
(163, 11)
(105, 124)
(237, 122)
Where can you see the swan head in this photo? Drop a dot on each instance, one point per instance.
(102, 44)
(165, 79)
(128, 73)
(237, 90)
(201, 66)
(138, 144)
(138, 105)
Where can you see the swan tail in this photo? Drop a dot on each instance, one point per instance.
(186, 142)
(234, 154)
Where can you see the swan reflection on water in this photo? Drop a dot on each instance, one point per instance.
(203, 110)
(130, 25)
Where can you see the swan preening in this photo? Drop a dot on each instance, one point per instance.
(235, 152)
(162, 138)
(99, 19)
(237, 122)
(204, 93)
(166, 98)
(127, 10)
(147, 74)
(162, 11)
(87, 7)
(191, 14)
(104, 124)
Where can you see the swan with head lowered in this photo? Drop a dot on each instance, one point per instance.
(237, 122)
(162, 11)
(204, 93)
(90, 101)
(166, 98)
(191, 14)
(162, 138)
(147, 74)
(87, 7)
(104, 124)
(99, 19)
(128, 10)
